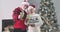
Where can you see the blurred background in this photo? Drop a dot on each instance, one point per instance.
(7, 6)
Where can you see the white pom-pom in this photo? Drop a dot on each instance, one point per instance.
(25, 3)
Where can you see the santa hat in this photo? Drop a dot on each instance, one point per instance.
(25, 2)
(31, 7)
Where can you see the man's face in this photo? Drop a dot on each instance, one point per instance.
(25, 6)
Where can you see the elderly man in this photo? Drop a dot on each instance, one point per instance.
(19, 15)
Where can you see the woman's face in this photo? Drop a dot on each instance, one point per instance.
(30, 10)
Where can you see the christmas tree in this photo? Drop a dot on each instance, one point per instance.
(48, 14)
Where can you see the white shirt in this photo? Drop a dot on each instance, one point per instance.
(38, 21)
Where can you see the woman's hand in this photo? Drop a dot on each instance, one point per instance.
(33, 25)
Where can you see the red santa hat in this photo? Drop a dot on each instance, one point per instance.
(31, 7)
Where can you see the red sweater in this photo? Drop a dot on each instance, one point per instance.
(18, 24)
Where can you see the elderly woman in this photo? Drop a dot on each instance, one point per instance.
(34, 20)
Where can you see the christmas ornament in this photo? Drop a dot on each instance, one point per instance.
(47, 10)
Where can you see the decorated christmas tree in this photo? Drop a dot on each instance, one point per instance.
(48, 15)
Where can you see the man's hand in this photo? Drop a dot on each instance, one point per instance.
(19, 17)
